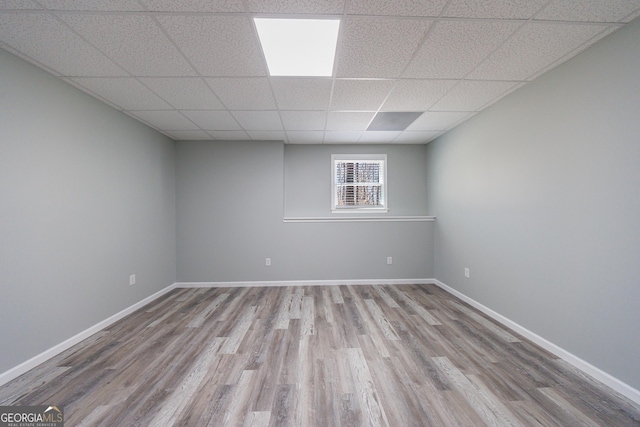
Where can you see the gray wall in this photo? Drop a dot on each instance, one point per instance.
(230, 218)
(540, 197)
(87, 197)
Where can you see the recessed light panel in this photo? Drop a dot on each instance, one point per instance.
(298, 47)
(393, 120)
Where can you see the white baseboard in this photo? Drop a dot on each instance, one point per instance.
(15, 372)
(304, 283)
(598, 374)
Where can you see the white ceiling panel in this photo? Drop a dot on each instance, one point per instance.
(416, 95)
(360, 94)
(252, 93)
(302, 93)
(297, 6)
(455, 48)
(436, 121)
(218, 6)
(229, 135)
(342, 137)
(305, 137)
(304, 120)
(125, 92)
(19, 5)
(377, 47)
(396, 8)
(169, 120)
(591, 10)
(267, 135)
(48, 41)
(346, 121)
(533, 48)
(190, 93)
(199, 135)
(194, 69)
(134, 42)
(213, 120)
(258, 120)
(472, 95)
(93, 5)
(494, 9)
(217, 46)
(414, 137)
(378, 137)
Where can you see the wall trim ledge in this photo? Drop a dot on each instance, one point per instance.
(304, 283)
(587, 368)
(16, 371)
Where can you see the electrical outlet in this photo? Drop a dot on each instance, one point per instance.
(389, 260)
(267, 262)
(467, 273)
(132, 280)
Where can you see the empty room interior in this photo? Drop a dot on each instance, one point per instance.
(438, 226)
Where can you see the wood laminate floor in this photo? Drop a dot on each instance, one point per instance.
(404, 355)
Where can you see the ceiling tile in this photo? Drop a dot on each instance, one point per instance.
(249, 93)
(213, 120)
(413, 137)
(168, 120)
(229, 135)
(360, 94)
(378, 137)
(342, 137)
(134, 42)
(591, 10)
(46, 40)
(190, 93)
(345, 121)
(303, 120)
(472, 95)
(302, 93)
(217, 46)
(258, 120)
(19, 5)
(296, 6)
(199, 135)
(377, 47)
(533, 48)
(454, 48)
(396, 8)
(125, 92)
(218, 6)
(93, 5)
(267, 135)
(495, 9)
(437, 121)
(305, 137)
(416, 95)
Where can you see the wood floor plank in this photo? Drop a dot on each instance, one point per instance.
(338, 355)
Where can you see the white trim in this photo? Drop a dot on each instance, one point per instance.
(359, 219)
(598, 374)
(303, 283)
(16, 371)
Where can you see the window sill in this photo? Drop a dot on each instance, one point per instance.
(361, 219)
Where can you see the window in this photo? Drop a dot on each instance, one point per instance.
(359, 182)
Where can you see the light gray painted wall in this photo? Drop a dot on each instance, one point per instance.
(230, 218)
(307, 171)
(540, 197)
(87, 197)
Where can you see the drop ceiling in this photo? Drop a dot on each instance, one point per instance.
(194, 69)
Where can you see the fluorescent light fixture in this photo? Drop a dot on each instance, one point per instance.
(298, 47)
(393, 120)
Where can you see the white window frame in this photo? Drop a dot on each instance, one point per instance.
(364, 158)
